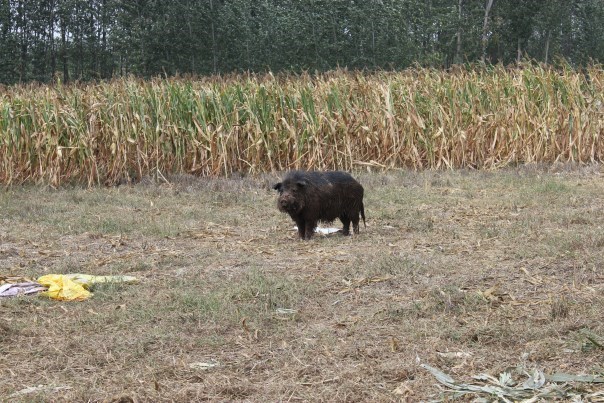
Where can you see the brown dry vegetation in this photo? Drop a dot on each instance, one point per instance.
(470, 272)
(123, 130)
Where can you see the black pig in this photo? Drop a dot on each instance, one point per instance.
(310, 197)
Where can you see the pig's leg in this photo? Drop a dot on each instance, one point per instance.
(310, 229)
(355, 223)
(346, 221)
(301, 223)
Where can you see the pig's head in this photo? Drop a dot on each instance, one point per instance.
(292, 195)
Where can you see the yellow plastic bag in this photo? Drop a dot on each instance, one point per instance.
(63, 288)
(87, 279)
(75, 287)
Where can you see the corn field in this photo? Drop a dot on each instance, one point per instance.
(486, 117)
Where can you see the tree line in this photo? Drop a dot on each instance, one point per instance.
(48, 40)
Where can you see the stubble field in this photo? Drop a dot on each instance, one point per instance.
(468, 272)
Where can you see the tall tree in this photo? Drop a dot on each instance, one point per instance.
(485, 29)
(91, 39)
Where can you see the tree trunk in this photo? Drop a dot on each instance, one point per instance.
(23, 38)
(51, 39)
(457, 59)
(314, 33)
(64, 50)
(373, 42)
(23, 65)
(192, 55)
(547, 42)
(485, 27)
(92, 48)
(103, 64)
(214, 57)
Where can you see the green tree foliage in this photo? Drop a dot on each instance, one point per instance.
(46, 40)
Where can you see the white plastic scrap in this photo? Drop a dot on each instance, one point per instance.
(39, 388)
(204, 365)
(323, 231)
(13, 290)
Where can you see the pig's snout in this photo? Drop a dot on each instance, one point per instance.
(288, 204)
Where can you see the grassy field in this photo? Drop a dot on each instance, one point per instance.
(470, 272)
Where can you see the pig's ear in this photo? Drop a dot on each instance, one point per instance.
(278, 186)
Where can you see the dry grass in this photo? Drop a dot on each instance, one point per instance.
(470, 272)
(124, 130)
